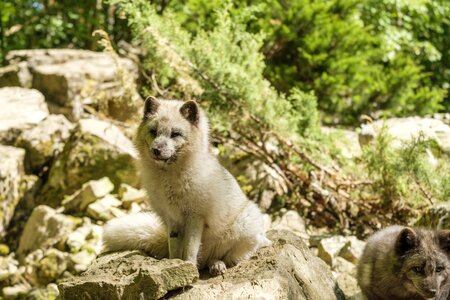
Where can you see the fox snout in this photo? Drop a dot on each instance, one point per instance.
(162, 149)
(429, 290)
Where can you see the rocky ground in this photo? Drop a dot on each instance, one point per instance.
(65, 169)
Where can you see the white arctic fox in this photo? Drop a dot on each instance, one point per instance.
(200, 213)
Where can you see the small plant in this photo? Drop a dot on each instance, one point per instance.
(409, 173)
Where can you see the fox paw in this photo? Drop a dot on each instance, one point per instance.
(217, 268)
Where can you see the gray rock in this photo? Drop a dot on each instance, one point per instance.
(94, 150)
(103, 209)
(286, 270)
(129, 275)
(44, 228)
(50, 292)
(8, 267)
(70, 78)
(16, 291)
(89, 192)
(353, 249)
(74, 82)
(291, 221)
(405, 129)
(21, 109)
(44, 141)
(329, 248)
(341, 266)
(87, 237)
(11, 178)
(80, 261)
(77, 238)
(349, 285)
(36, 57)
(129, 195)
(51, 266)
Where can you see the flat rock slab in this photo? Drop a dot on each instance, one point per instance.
(129, 275)
(20, 109)
(406, 129)
(285, 270)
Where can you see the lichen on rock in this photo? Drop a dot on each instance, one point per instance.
(94, 150)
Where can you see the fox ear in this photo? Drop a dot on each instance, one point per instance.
(406, 241)
(190, 112)
(150, 106)
(444, 240)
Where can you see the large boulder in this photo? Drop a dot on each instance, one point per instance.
(44, 141)
(405, 129)
(44, 229)
(94, 150)
(129, 275)
(11, 176)
(292, 221)
(70, 78)
(36, 57)
(20, 109)
(285, 270)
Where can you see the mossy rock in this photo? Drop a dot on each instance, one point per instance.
(90, 155)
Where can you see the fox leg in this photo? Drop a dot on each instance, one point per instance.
(192, 238)
(174, 240)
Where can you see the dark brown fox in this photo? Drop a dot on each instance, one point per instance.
(403, 263)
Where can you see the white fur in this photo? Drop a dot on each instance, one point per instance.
(195, 197)
(143, 231)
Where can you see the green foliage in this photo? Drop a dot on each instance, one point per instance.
(419, 29)
(215, 66)
(305, 106)
(410, 172)
(389, 57)
(326, 47)
(53, 24)
(339, 50)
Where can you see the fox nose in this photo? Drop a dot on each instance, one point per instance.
(156, 151)
(431, 292)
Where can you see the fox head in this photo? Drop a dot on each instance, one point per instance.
(171, 130)
(424, 263)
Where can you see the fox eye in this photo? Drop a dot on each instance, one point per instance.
(153, 132)
(440, 269)
(417, 269)
(175, 134)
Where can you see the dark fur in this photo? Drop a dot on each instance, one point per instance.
(150, 106)
(405, 263)
(190, 111)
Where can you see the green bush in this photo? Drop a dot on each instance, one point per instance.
(339, 50)
(411, 173)
(221, 66)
